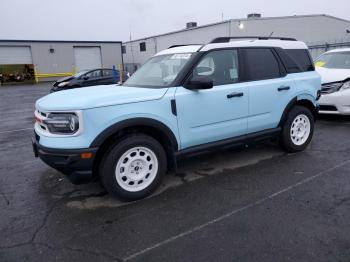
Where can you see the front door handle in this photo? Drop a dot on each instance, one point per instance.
(283, 88)
(235, 94)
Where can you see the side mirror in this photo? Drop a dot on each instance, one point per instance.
(199, 82)
(85, 77)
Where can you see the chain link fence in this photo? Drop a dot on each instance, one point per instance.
(318, 48)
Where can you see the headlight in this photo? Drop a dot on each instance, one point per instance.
(63, 84)
(62, 123)
(346, 85)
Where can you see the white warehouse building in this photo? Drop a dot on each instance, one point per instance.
(320, 32)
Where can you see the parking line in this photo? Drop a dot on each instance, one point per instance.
(16, 130)
(234, 212)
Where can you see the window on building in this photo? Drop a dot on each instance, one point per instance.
(261, 64)
(143, 46)
(123, 49)
(221, 66)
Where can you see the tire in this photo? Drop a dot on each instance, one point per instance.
(133, 168)
(297, 130)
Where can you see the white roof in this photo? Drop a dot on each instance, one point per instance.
(180, 49)
(285, 44)
(339, 50)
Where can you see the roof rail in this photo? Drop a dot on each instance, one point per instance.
(173, 46)
(227, 39)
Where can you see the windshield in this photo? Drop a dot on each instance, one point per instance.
(340, 60)
(80, 73)
(159, 71)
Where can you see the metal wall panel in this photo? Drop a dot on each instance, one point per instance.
(87, 57)
(54, 59)
(15, 55)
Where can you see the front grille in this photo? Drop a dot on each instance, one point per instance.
(328, 108)
(329, 88)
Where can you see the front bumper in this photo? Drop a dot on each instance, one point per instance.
(72, 162)
(336, 103)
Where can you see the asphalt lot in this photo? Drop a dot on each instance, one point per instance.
(254, 204)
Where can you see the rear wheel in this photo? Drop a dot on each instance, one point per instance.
(133, 168)
(298, 129)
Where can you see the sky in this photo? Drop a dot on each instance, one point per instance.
(116, 20)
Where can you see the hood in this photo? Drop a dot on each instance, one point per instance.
(329, 75)
(97, 96)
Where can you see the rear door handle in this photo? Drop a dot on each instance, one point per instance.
(283, 88)
(235, 94)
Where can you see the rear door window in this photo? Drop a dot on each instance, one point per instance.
(260, 64)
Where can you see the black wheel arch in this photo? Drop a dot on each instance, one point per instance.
(302, 102)
(148, 126)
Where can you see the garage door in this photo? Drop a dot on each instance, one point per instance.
(13, 55)
(87, 58)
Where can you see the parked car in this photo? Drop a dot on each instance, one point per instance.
(334, 68)
(88, 78)
(183, 101)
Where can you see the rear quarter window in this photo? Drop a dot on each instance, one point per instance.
(302, 58)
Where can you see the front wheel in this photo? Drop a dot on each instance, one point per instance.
(133, 168)
(298, 129)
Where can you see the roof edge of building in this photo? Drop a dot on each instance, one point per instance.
(337, 18)
(57, 41)
(237, 19)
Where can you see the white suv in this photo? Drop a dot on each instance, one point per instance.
(334, 68)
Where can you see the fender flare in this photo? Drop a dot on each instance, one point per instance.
(289, 106)
(140, 121)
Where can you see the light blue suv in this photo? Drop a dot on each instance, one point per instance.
(184, 100)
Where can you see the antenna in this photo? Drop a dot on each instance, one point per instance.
(270, 34)
(130, 32)
(131, 49)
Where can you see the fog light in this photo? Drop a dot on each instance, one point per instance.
(86, 155)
